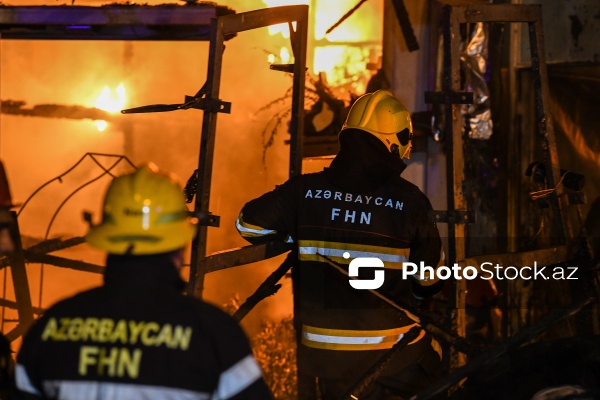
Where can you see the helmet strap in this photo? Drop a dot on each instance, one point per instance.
(129, 250)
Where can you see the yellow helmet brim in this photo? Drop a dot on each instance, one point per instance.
(161, 239)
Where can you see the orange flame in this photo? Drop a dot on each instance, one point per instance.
(350, 53)
(109, 102)
(282, 28)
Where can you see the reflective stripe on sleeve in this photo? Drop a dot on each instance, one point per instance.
(22, 381)
(248, 230)
(237, 378)
(94, 390)
(392, 257)
(354, 340)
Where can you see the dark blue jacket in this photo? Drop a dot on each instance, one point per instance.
(137, 337)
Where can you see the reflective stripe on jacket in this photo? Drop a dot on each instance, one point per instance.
(391, 223)
(137, 337)
(354, 340)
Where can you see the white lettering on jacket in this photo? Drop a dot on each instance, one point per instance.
(352, 198)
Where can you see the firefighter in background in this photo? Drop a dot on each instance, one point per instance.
(138, 336)
(358, 207)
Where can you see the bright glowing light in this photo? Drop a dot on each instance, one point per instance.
(364, 25)
(282, 28)
(344, 66)
(107, 102)
(284, 54)
(279, 3)
(101, 125)
(350, 53)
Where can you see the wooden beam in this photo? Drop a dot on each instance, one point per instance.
(114, 22)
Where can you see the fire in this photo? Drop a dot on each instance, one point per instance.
(101, 125)
(109, 102)
(282, 28)
(350, 53)
(285, 55)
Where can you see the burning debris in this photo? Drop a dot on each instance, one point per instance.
(275, 350)
(325, 113)
(55, 111)
(106, 105)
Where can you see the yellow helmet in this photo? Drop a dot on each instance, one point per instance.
(385, 117)
(143, 213)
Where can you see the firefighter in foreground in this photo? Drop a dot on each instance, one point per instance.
(358, 207)
(138, 336)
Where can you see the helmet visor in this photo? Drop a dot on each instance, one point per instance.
(404, 136)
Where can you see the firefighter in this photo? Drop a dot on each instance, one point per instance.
(358, 207)
(138, 336)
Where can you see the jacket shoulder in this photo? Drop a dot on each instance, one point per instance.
(305, 178)
(74, 302)
(210, 314)
(297, 184)
(408, 187)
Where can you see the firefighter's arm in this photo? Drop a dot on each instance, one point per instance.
(270, 217)
(21, 392)
(26, 385)
(426, 247)
(241, 377)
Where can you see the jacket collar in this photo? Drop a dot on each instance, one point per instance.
(152, 270)
(363, 163)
